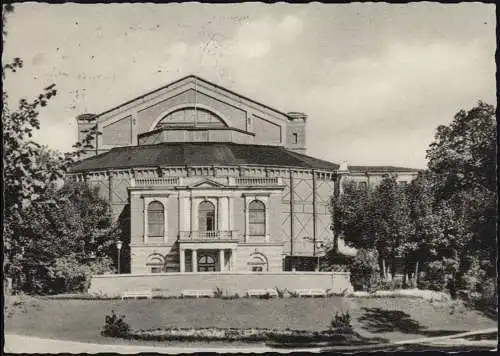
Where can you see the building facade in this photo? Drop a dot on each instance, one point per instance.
(208, 180)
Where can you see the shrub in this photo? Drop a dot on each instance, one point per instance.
(364, 270)
(115, 326)
(218, 293)
(280, 292)
(68, 274)
(436, 275)
(341, 322)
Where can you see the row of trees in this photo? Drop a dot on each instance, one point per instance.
(444, 222)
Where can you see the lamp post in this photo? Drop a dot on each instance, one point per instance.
(118, 247)
(317, 245)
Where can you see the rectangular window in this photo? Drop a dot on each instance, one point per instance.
(257, 222)
(403, 183)
(257, 269)
(156, 223)
(295, 138)
(156, 269)
(362, 185)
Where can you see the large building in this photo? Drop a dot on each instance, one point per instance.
(209, 180)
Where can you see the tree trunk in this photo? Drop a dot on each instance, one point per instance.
(384, 272)
(416, 274)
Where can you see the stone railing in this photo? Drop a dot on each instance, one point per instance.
(157, 181)
(215, 235)
(256, 181)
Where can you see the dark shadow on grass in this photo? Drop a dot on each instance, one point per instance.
(377, 320)
(341, 339)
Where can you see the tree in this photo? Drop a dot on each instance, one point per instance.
(73, 230)
(462, 160)
(30, 176)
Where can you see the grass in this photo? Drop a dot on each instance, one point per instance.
(389, 318)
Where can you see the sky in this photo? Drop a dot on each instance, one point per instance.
(376, 80)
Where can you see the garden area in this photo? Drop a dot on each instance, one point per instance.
(372, 319)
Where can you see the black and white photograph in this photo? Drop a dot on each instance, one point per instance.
(249, 177)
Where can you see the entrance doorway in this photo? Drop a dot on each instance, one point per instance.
(207, 262)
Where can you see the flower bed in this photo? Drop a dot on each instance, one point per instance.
(247, 335)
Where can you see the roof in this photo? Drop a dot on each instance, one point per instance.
(199, 154)
(363, 169)
(198, 79)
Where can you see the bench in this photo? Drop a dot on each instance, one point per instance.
(148, 294)
(261, 292)
(310, 292)
(197, 293)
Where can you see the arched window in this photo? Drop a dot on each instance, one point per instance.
(257, 218)
(206, 216)
(206, 263)
(155, 264)
(191, 117)
(156, 219)
(258, 263)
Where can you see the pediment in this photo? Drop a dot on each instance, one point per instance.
(186, 92)
(206, 183)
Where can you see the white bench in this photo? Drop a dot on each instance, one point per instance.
(310, 292)
(261, 292)
(197, 293)
(148, 294)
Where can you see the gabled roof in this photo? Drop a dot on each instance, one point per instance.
(363, 169)
(192, 76)
(199, 154)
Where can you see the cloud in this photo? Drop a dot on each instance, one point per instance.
(289, 29)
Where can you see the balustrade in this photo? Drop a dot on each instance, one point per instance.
(215, 235)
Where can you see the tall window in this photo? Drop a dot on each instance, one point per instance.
(156, 219)
(206, 216)
(295, 138)
(257, 218)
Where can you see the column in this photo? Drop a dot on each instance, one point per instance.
(187, 214)
(219, 213)
(231, 214)
(180, 212)
(224, 212)
(221, 260)
(182, 261)
(145, 218)
(194, 260)
(267, 217)
(194, 214)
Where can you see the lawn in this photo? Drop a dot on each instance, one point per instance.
(389, 318)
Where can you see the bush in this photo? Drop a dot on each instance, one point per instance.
(69, 275)
(341, 322)
(435, 277)
(280, 292)
(115, 326)
(364, 270)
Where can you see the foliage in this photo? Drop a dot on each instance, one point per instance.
(365, 270)
(341, 322)
(280, 292)
(40, 224)
(61, 241)
(218, 293)
(115, 326)
(69, 275)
